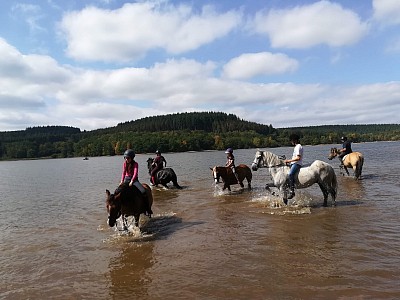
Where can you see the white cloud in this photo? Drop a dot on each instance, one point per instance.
(306, 26)
(387, 11)
(249, 65)
(127, 33)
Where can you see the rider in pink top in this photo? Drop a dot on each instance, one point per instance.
(130, 172)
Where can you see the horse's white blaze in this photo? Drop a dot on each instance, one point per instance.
(215, 176)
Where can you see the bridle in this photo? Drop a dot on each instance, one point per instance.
(260, 159)
(112, 196)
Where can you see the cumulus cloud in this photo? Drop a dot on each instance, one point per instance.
(387, 11)
(127, 33)
(306, 26)
(249, 65)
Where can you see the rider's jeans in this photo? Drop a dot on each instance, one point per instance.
(293, 170)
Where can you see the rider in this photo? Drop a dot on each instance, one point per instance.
(230, 163)
(346, 148)
(157, 165)
(295, 163)
(130, 174)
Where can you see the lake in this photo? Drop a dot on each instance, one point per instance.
(202, 242)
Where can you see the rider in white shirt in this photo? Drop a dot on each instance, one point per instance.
(295, 163)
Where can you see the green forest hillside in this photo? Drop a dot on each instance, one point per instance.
(180, 132)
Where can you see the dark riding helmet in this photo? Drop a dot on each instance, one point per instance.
(343, 138)
(158, 152)
(129, 153)
(229, 150)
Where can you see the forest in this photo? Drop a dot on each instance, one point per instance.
(195, 131)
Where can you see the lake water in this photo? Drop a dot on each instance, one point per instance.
(202, 243)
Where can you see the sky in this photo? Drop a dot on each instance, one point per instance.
(95, 63)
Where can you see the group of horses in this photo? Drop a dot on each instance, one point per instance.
(130, 202)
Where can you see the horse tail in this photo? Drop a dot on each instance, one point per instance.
(360, 164)
(175, 180)
(334, 185)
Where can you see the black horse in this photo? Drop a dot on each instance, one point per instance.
(127, 201)
(163, 176)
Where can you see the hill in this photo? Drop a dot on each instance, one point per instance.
(180, 132)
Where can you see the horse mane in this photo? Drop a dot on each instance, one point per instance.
(271, 158)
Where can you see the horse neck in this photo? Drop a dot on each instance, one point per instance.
(271, 160)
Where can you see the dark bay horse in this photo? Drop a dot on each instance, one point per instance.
(229, 178)
(127, 201)
(354, 160)
(163, 176)
(318, 172)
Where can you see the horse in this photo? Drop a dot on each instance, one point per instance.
(164, 175)
(318, 172)
(229, 178)
(353, 160)
(127, 201)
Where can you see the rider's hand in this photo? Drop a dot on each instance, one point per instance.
(130, 183)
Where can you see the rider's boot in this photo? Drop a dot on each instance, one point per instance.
(152, 180)
(237, 177)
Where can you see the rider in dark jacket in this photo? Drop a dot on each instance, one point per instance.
(157, 165)
(346, 148)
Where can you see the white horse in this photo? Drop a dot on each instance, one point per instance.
(318, 172)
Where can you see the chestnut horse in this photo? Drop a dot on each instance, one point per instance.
(353, 160)
(229, 178)
(127, 201)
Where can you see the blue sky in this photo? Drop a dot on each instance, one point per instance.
(94, 64)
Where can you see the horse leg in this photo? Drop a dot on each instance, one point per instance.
(325, 192)
(124, 223)
(241, 184)
(347, 171)
(136, 217)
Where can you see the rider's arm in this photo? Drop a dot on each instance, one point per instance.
(135, 172)
(297, 158)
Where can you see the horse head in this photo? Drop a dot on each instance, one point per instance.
(216, 174)
(334, 152)
(150, 164)
(113, 205)
(258, 160)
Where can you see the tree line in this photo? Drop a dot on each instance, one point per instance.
(180, 132)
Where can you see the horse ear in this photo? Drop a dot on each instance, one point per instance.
(108, 193)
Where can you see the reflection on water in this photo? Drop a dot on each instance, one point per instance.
(129, 270)
(202, 242)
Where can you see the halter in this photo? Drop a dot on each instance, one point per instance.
(119, 211)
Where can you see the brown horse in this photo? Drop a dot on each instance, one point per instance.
(353, 160)
(229, 178)
(127, 201)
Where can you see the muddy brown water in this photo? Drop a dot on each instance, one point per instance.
(202, 243)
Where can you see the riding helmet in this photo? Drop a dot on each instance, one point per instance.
(129, 153)
(343, 138)
(158, 152)
(229, 150)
